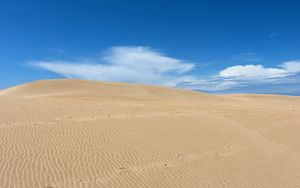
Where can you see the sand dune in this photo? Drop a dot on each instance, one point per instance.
(82, 134)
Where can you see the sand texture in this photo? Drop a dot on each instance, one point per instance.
(86, 134)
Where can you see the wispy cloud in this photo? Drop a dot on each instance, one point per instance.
(58, 51)
(124, 64)
(293, 67)
(148, 66)
(272, 35)
(247, 57)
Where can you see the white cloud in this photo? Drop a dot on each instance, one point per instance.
(291, 66)
(143, 58)
(259, 72)
(124, 64)
(147, 66)
(256, 72)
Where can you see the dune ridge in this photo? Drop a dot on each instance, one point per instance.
(83, 88)
(82, 134)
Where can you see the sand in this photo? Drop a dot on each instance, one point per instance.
(72, 133)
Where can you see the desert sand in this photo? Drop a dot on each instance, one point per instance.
(87, 134)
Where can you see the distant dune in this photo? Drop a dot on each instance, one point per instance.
(87, 134)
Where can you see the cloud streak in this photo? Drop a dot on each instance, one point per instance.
(148, 66)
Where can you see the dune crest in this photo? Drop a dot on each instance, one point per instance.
(94, 89)
(82, 134)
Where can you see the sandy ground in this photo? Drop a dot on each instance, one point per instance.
(71, 134)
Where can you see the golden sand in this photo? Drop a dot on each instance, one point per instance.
(86, 134)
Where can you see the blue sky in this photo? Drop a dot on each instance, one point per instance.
(214, 46)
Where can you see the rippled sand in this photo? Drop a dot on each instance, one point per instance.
(72, 133)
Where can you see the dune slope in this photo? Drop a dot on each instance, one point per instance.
(82, 134)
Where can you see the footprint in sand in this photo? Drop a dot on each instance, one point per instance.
(92, 180)
(123, 169)
(166, 165)
(49, 186)
(228, 151)
(179, 156)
